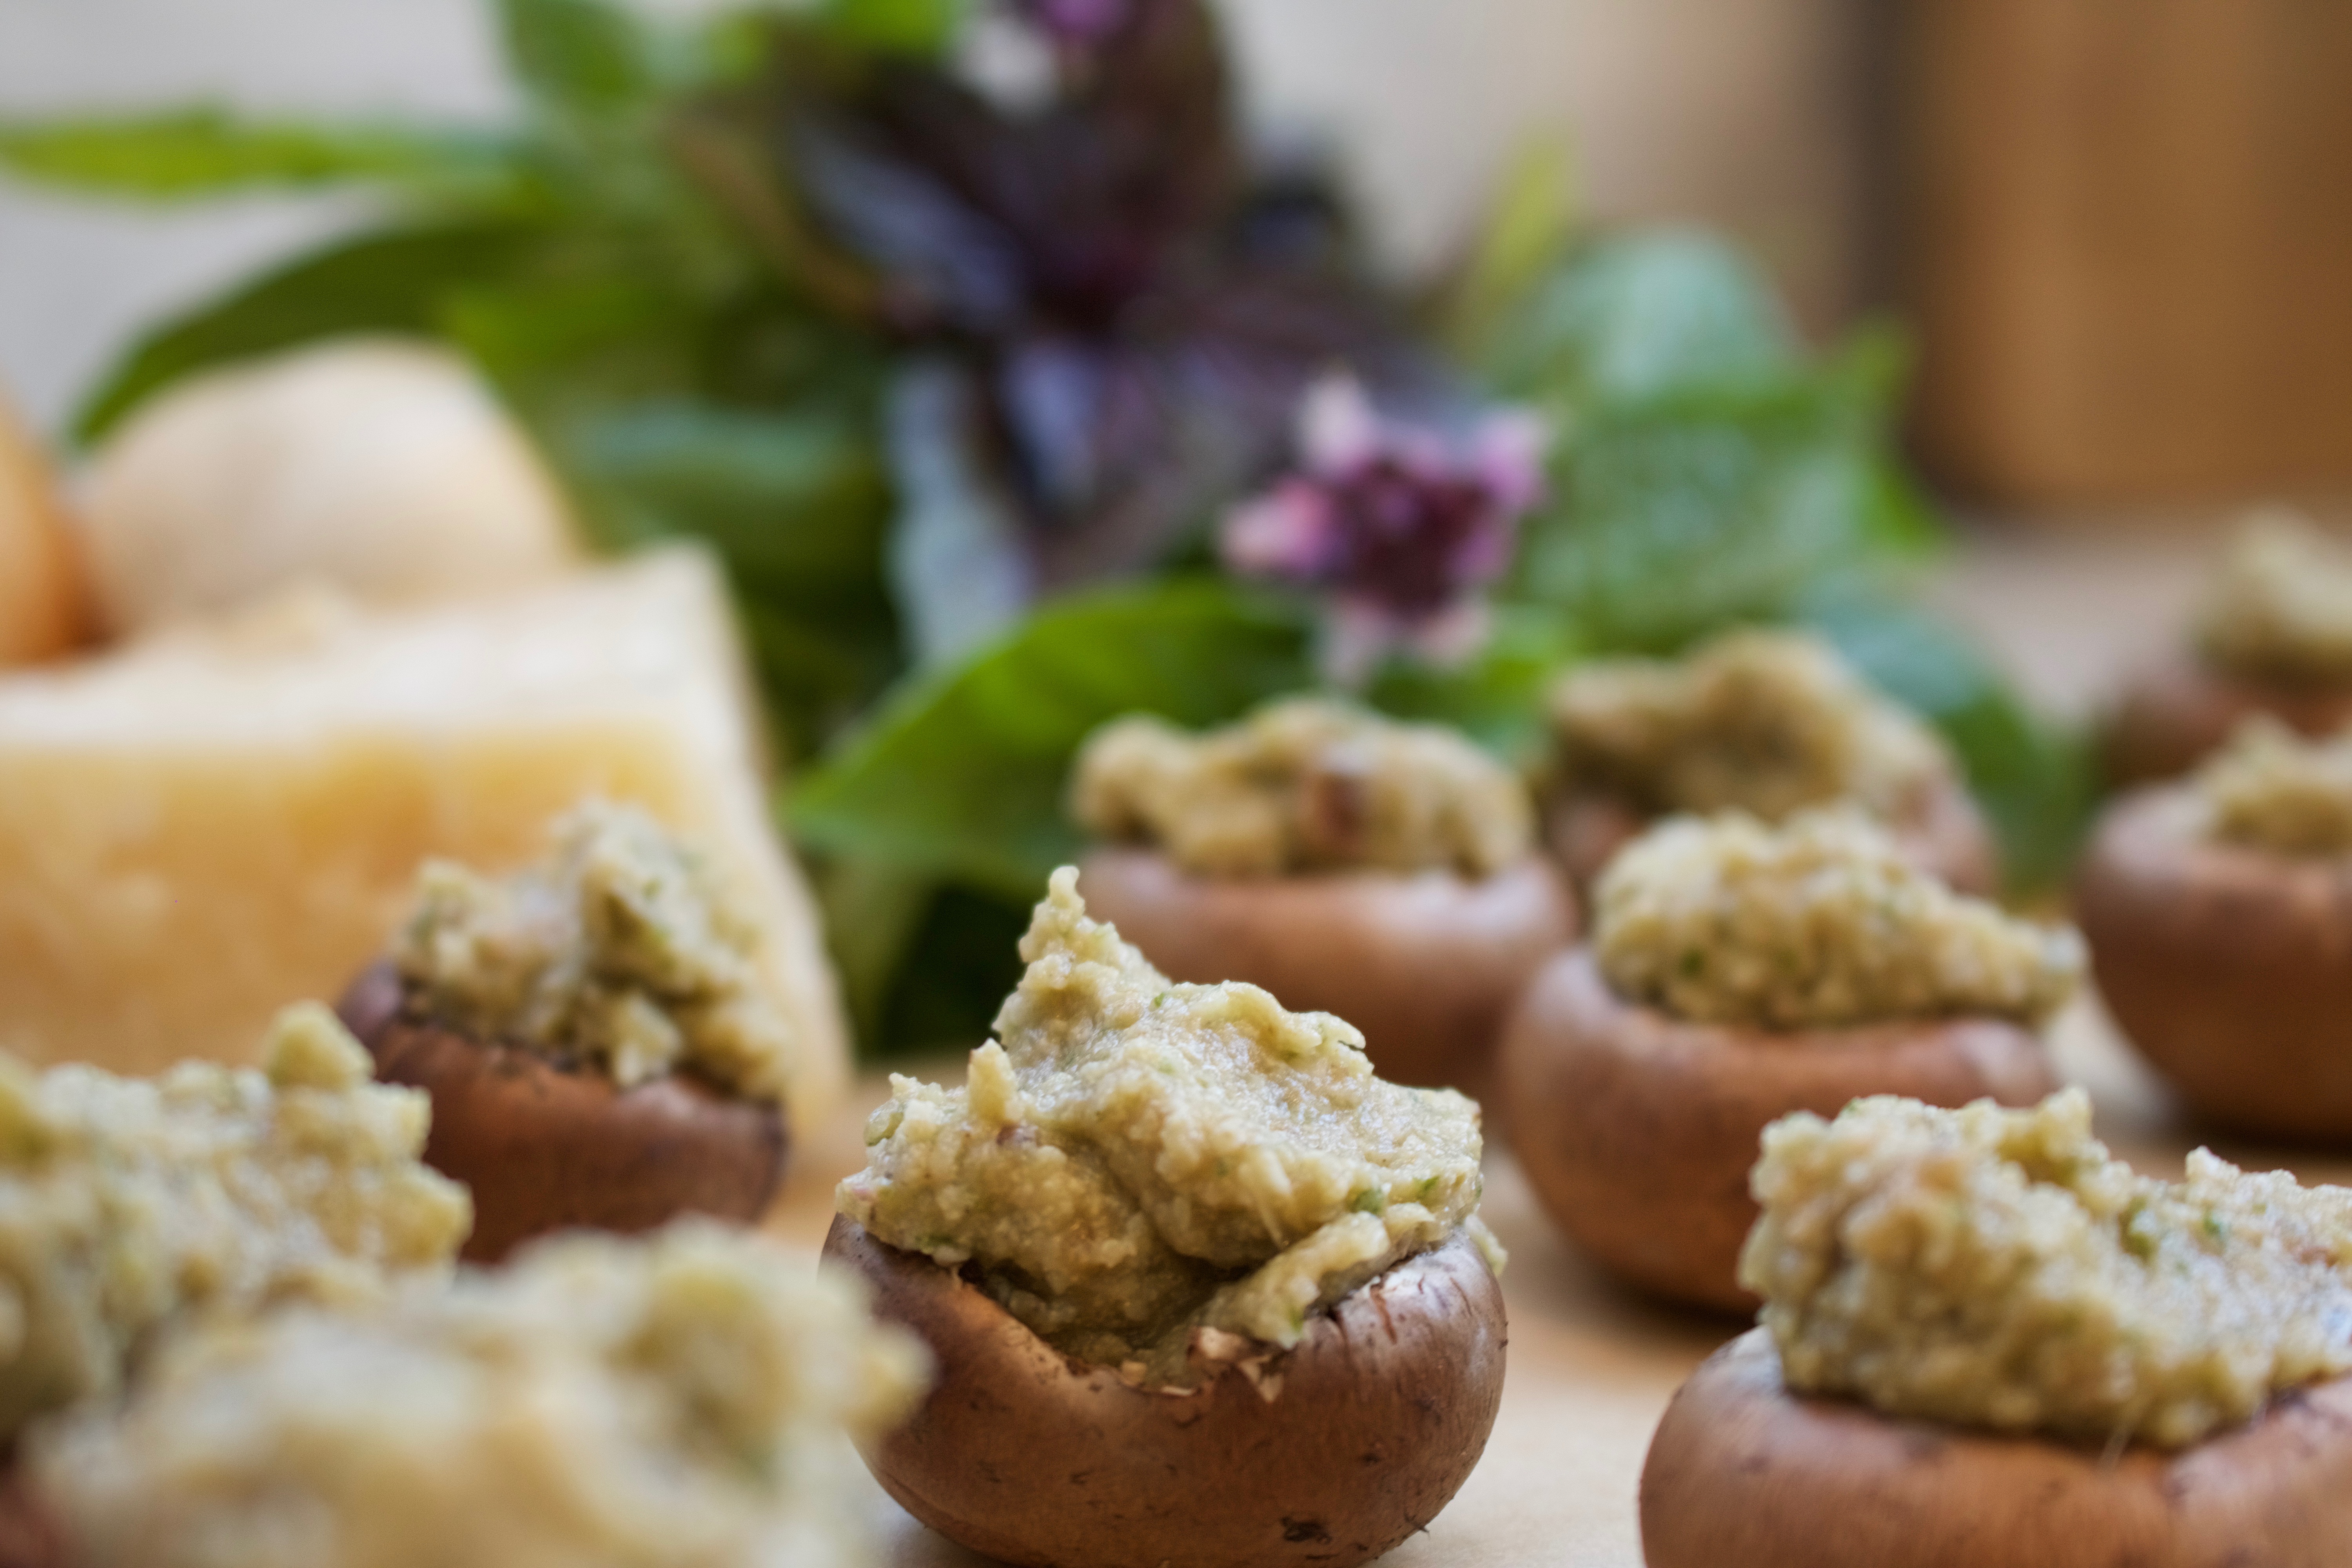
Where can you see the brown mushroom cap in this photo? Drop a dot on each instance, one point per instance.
(2229, 969)
(1637, 1129)
(545, 1147)
(31, 1536)
(1426, 965)
(2175, 712)
(1945, 836)
(1327, 1454)
(1744, 1472)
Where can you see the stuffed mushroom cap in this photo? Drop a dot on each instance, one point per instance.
(1385, 872)
(1330, 1452)
(596, 1034)
(1168, 1243)
(1985, 1342)
(678, 1399)
(1744, 1471)
(1738, 972)
(1637, 1129)
(1766, 722)
(1433, 961)
(2274, 636)
(2219, 915)
(547, 1148)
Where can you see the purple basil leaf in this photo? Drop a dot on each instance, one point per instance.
(958, 564)
(944, 263)
(1137, 309)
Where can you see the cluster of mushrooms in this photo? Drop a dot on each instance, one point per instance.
(1392, 875)
(1492, 940)
(1195, 1253)
(236, 1330)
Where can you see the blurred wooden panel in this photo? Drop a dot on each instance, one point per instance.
(1741, 114)
(2129, 246)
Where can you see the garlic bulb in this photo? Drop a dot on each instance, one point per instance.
(381, 467)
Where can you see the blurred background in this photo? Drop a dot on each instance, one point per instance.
(2117, 229)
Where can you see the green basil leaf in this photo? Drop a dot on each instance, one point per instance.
(893, 27)
(1673, 516)
(586, 337)
(380, 282)
(204, 151)
(958, 964)
(1497, 697)
(794, 500)
(795, 504)
(1517, 248)
(1634, 315)
(873, 913)
(2034, 780)
(588, 59)
(961, 774)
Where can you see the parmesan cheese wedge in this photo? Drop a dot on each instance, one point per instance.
(212, 822)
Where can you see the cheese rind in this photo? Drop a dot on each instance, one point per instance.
(201, 828)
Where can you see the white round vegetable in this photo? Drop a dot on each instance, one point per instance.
(382, 468)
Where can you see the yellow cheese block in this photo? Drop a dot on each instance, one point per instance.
(204, 827)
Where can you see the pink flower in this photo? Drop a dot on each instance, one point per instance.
(1401, 529)
(1079, 22)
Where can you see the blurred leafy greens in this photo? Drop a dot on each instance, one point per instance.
(205, 151)
(906, 353)
(679, 382)
(953, 791)
(1707, 473)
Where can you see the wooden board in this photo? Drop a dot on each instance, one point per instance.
(1591, 1366)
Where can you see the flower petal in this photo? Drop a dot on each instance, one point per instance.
(1454, 634)
(1357, 633)
(1290, 532)
(1338, 430)
(1508, 455)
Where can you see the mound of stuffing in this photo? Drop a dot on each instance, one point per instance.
(131, 1205)
(1767, 722)
(622, 949)
(1131, 1159)
(1304, 785)
(671, 1403)
(2281, 606)
(2271, 789)
(1817, 923)
(1997, 1269)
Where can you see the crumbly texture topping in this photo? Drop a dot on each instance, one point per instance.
(1767, 722)
(2280, 608)
(129, 1204)
(1133, 1159)
(1817, 923)
(2269, 789)
(625, 951)
(1304, 785)
(1998, 1268)
(676, 1403)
